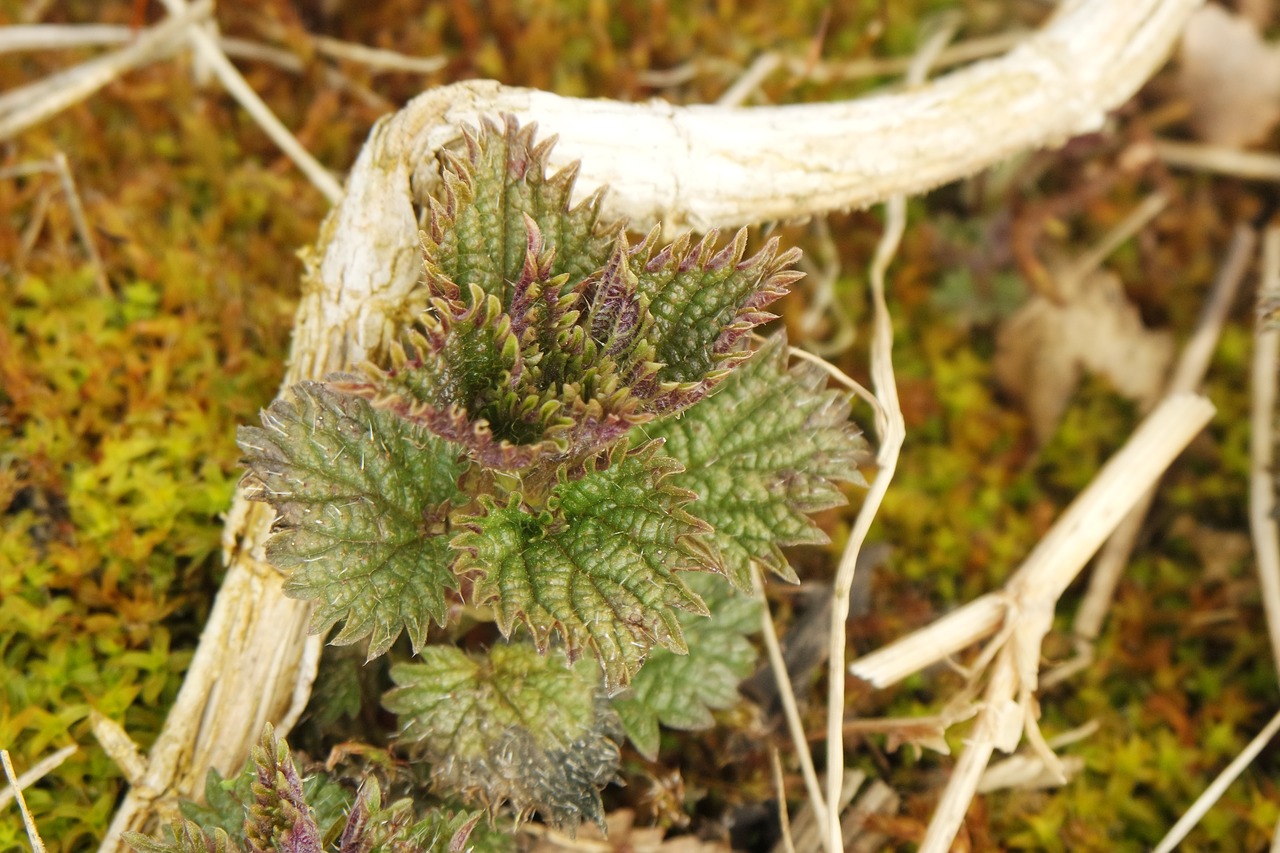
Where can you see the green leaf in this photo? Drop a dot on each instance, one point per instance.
(545, 336)
(477, 234)
(279, 817)
(187, 838)
(681, 691)
(362, 497)
(597, 564)
(705, 302)
(515, 725)
(763, 451)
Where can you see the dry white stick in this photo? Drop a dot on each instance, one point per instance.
(1219, 785)
(706, 167)
(31, 104)
(207, 50)
(1189, 372)
(1262, 438)
(377, 59)
(933, 643)
(38, 771)
(27, 38)
(37, 37)
(117, 744)
(37, 846)
(1009, 704)
(987, 731)
(1215, 158)
(745, 86)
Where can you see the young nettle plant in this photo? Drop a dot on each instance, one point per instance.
(571, 438)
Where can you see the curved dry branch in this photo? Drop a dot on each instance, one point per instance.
(698, 167)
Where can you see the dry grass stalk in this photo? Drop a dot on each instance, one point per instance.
(33, 103)
(1215, 790)
(208, 51)
(835, 71)
(1262, 496)
(891, 439)
(1253, 165)
(683, 166)
(38, 771)
(1187, 376)
(37, 845)
(791, 710)
(1009, 708)
(59, 166)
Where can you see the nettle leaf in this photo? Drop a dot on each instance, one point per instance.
(597, 564)
(362, 497)
(704, 304)
(514, 726)
(477, 232)
(763, 451)
(546, 336)
(681, 691)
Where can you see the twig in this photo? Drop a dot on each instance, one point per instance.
(790, 709)
(934, 643)
(886, 391)
(1215, 158)
(58, 165)
(37, 771)
(81, 222)
(1262, 425)
(35, 102)
(742, 88)
(377, 59)
(36, 37)
(1215, 790)
(27, 38)
(239, 88)
(784, 819)
(37, 846)
(1189, 372)
(1009, 707)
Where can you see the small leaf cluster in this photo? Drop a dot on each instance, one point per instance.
(270, 808)
(574, 440)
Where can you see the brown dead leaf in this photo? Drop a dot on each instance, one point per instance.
(1044, 348)
(1219, 551)
(1231, 78)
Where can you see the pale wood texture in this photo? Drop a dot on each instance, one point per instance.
(699, 167)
